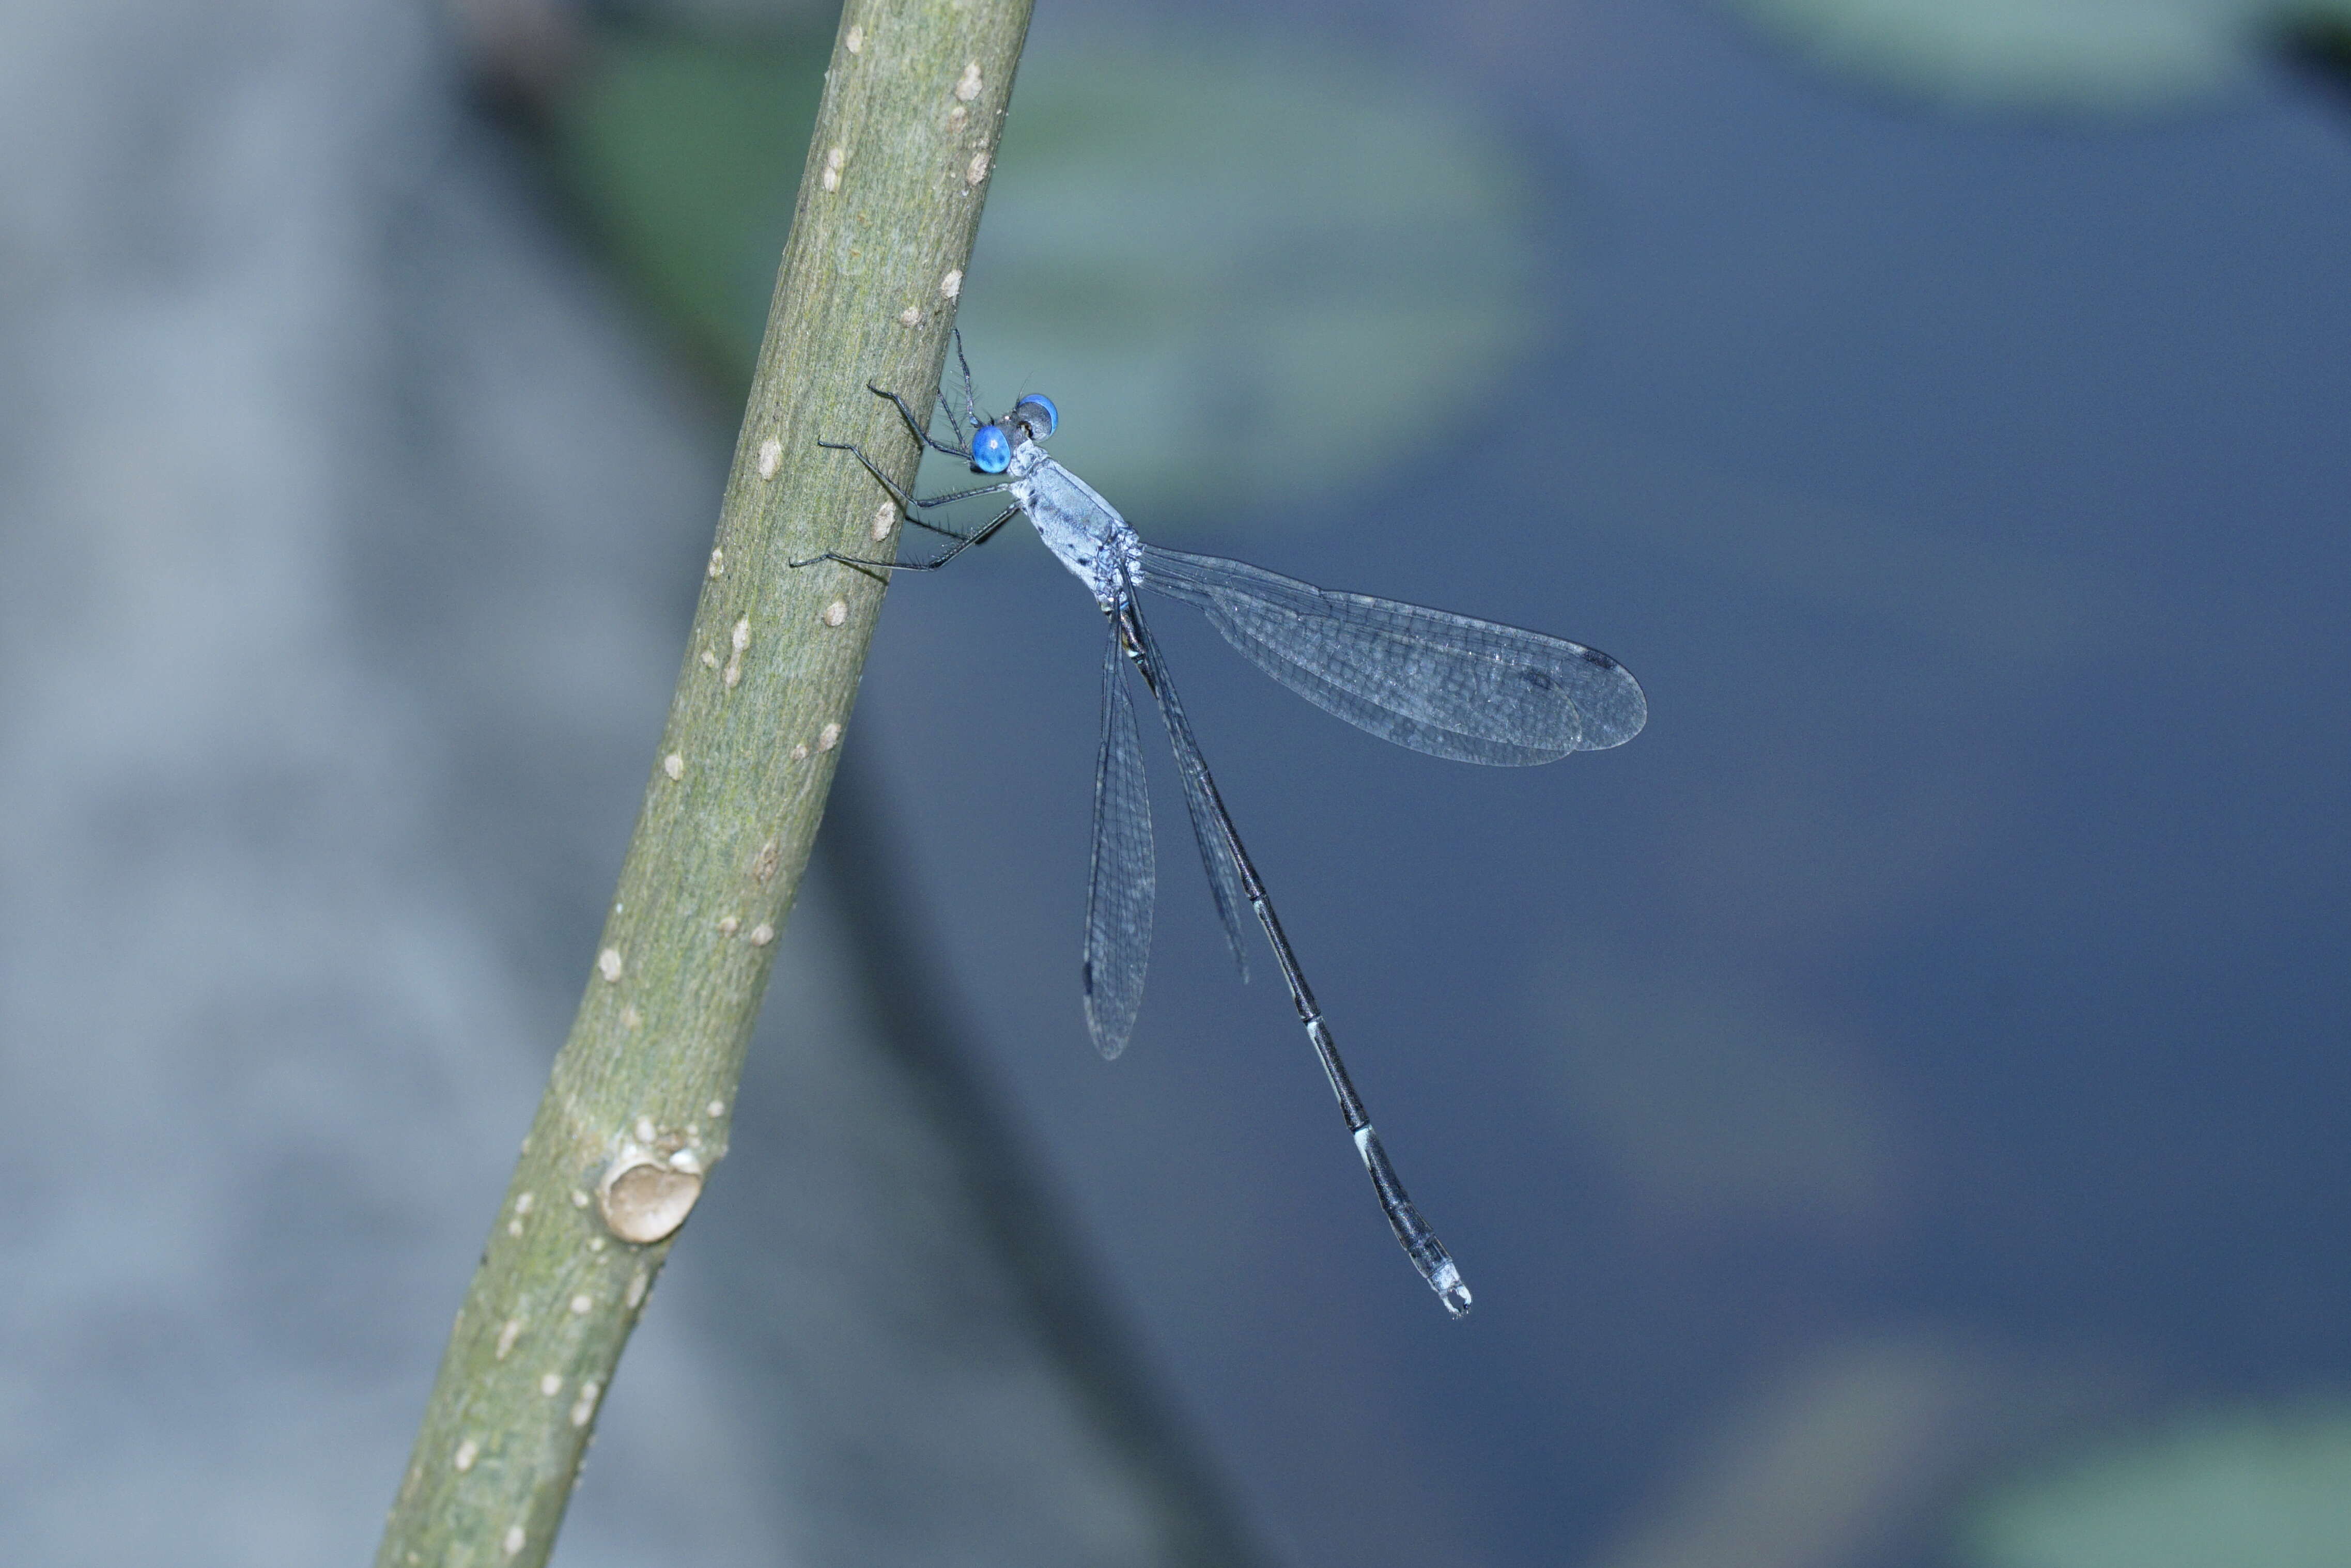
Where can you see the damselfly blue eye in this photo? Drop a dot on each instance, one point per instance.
(991, 452)
(1037, 413)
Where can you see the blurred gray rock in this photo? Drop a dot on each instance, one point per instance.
(348, 528)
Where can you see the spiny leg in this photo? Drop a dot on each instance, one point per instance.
(920, 428)
(921, 431)
(970, 403)
(907, 504)
(963, 542)
(961, 495)
(929, 527)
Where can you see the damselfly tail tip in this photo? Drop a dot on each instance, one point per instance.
(1447, 1283)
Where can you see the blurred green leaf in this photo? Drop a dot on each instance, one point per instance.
(684, 154)
(1328, 276)
(2094, 56)
(2258, 1490)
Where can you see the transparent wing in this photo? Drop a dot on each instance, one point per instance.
(1452, 687)
(1121, 886)
(1215, 851)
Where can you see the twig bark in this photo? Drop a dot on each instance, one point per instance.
(637, 1107)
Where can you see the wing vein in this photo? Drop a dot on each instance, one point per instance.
(1122, 883)
(1447, 685)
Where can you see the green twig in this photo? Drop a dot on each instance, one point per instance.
(636, 1111)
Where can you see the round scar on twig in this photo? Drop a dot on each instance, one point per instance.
(644, 1201)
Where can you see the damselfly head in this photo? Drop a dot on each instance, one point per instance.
(1033, 418)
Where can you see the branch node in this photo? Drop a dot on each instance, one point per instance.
(643, 1199)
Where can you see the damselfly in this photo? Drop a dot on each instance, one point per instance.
(1438, 683)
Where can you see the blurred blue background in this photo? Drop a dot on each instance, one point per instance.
(1948, 984)
(1889, 1112)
